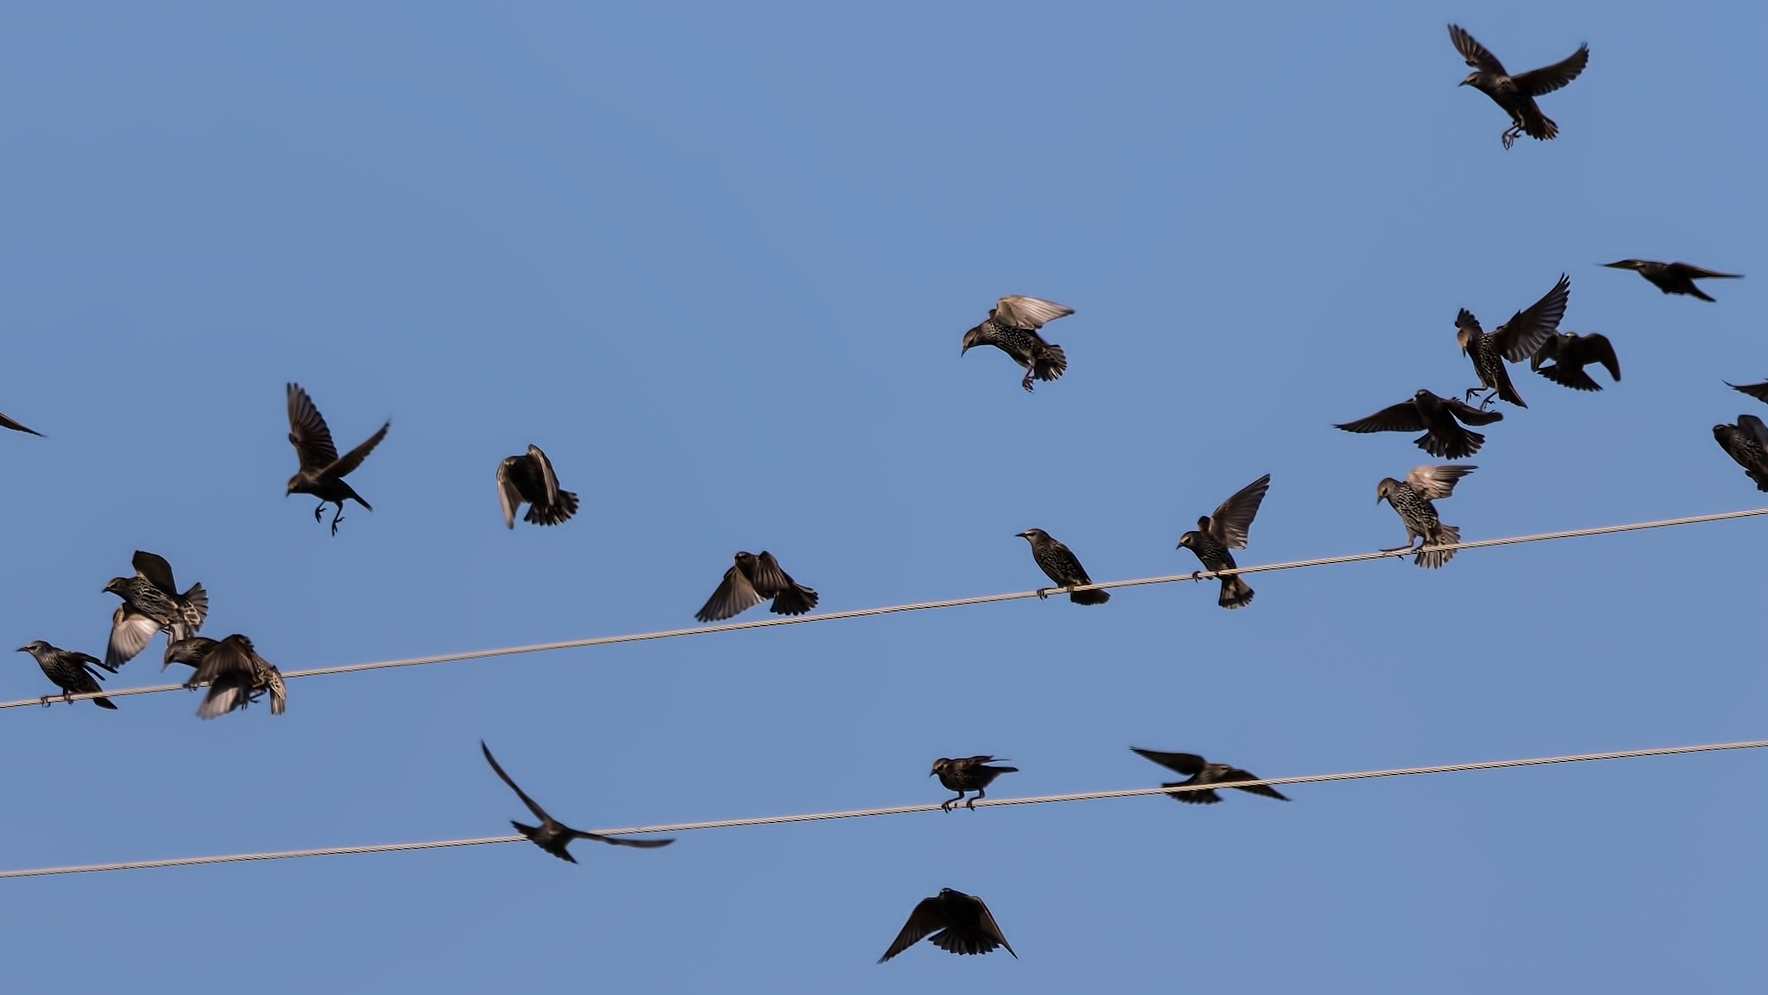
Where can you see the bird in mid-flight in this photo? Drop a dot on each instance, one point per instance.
(552, 835)
(1201, 771)
(529, 478)
(322, 472)
(71, 671)
(1674, 278)
(1747, 443)
(752, 579)
(1516, 94)
(1060, 564)
(151, 603)
(1225, 530)
(1570, 353)
(1759, 391)
(966, 774)
(1012, 327)
(1511, 342)
(6, 422)
(960, 924)
(1412, 498)
(1437, 416)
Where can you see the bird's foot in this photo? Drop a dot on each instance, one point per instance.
(1483, 405)
(1196, 575)
(1509, 136)
(319, 511)
(1401, 550)
(1042, 593)
(946, 806)
(971, 804)
(44, 701)
(1026, 383)
(68, 697)
(339, 517)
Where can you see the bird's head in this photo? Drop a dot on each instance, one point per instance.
(1721, 432)
(118, 586)
(1463, 336)
(1385, 489)
(1033, 535)
(941, 764)
(744, 559)
(1421, 394)
(973, 337)
(1472, 79)
(1626, 264)
(1188, 541)
(34, 647)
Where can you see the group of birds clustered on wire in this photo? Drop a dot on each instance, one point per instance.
(235, 675)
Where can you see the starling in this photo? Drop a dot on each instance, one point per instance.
(1759, 391)
(752, 579)
(530, 479)
(322, 473)
(6, 422)
(233, 670)
(1201, 771)
(1011, 327)
(71, 671)
(1513, 341)
(1572, 352)
(1060, 565)
(1411, 500)
(1516, 94)
(966, 774)
(1674, 278)
(1747, 443)
(964, 924)
(151, 603)
(1225, 530)
(1437, 417)
(552, 835)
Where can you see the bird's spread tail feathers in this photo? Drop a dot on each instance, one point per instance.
(1430, 557)
(1050, 363)
(1089, 597)
(1236, 592)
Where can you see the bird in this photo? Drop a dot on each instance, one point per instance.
(1437, 416)
(1674, 278)
(1226, 529)
(1201, 771)
(322, 472)
(552, 835)
(752, 579)
(966, 774)
(1516, 94)
(1060, 565)
(151, 603)
(529, 478)
(1759, 391)
(6, 422)
(963, 923)
(1747, 443)
(1570, 353)
(1411, 500)
(1012, 327)
(234, 672)
(71, 671)
(1513, 341)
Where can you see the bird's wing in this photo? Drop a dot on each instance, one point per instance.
(1597, 348)
(308, 433)
(539, 813)
(1438, 480)
(928, 916)
(230, 657)
(130, 633)
(547, 479)
(767, 577)
(1236, 774)
(990, 928)
(1754, 426)
(734, 595)
(1759, 391)
(1401, 417)
(1476, 54)
(1466, 322)
(154, 568)
(1469, 414)
(1234, 516)
(1183, 763)
(1701, 272)
(223, 697)
(508, 494)
(1028, 312)
(6, 422)
(621, 841)
(1528, 328)
(353, 459)
(1550, 349)
(1546, 79)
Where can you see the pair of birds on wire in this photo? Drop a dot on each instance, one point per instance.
(966, 774)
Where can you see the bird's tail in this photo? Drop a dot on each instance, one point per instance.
(1205, 797)
(1049, 363)
(528, 831)
(199, 607)
(1760, 478)
(104, 703)
(1456, 443)
(1430, 557)
(553, 514)
(1236, 592)
(795, 599)
(1089, 597)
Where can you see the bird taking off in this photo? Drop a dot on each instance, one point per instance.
(151, 603)
(1511, 342)
(1674, 278)
(752, 579)
(1516, 94)
(234, 672)
(1202, 771)
(1437, 416)
(1226, 529)
(963, 924)
(967, 774)
(1570, 353)
(529, 479)
(1012, 327)
(552, 835)
(1747, 443)
(322, 472)
(1411, 500)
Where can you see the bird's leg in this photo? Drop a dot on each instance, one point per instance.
(338, 518)
(1407, 548)
(44, 701)
(67, 696)
(946, 806)
(980, 793)
(1493, 396)
(1196, 575)
(1509, 135)
(1026, 383)
(1043, 592)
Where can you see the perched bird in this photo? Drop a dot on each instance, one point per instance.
(552, 835)
(966, 774)
(964, 924)
(1411, 500)
(233, 670)
(322, 472)
(1201, 771)
(151, 603)
(1011, 327)
(1674, 278)
(1437, 416)
(530, 479)
(71, 671)
(1060, 565)
(1513, 341)
(1570, 353)
(1759, 391)
(1747, 443)
(1225, 530)
(6, 422)
(1516, 94)
(752, 579)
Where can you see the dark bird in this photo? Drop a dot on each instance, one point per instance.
(1513, 342)
(1516, 94)
(1759, 391)
(1011, 327)
(963, 922)
(552, 835)
(1437, 416)
(966, 774)
(1570, 353)
(71, 671)
(1411, 500)
(1674, 278)
(6, 422)
(1060, 565)
(530, 479)
(151, 603)
(1747, 443)
(322, 473)
(1225, 530)
(234, 672)
(752, 579)
(1201, 771)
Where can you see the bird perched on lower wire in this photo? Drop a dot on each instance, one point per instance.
(1059, 564)
(1012, 327)
(1674, 278)
(322, 471)
(963, 924)
(1411, 500)
(1747, 443)
(529, 478)
(1226, 529)
(967, 774)
(151, 603)
(1201, 771)
(552, 835)
(752, 579)
(6, 422)
(1759, 391)
(1511, 342)
(69, 670)
(234, 672)
(1516, 94)
(1438, 417)
(1570, 353)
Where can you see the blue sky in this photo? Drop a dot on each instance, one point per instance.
(717, 262)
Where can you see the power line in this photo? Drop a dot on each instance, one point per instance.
(861, 813)
(422, 661)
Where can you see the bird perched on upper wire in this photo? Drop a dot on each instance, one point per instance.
(1747, 443)
(322, 472)
(1674, 278)
(1201, 771)
(1226, 529)
(1012, 327)
(1411, 500)
(233, 671)
(151, 603)
(1570, 353)
(752, 579)
(1759, 391)
(6, 422)
(552, 835)
(1513, 342)
(69, 670)
(963, 923)
(1516, 94)
(1437, 416)
(1061, 566)
(529, 478)
(967, 774)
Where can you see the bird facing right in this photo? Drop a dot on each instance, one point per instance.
(552, 835)
(1747, 443)
(529, 478)
(1411, 500)
(1516, 94)
(1759, 391)
(69, 670)
(1572, 352)
(1437, 416)
(1060, 564)
(967, 774)
(1012, 327)
(1225, 530)
(752, 579)
(1674, 278)
(322, 472)
(1202, 771)
(963, 923)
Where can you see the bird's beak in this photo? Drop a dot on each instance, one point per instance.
(1462, 83)
(931, 773)
(22, 649)
(1620, 265)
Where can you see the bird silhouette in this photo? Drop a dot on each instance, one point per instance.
(1012, 327)
(322, 472)
(1516, 94)
(552, 835)
(960, 924)
(752, 579)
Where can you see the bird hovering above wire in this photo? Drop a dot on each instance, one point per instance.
(1516, 94)
(1570, 353)
(1012, 327)
(1511, 342)
(960, 924)
(529, 478)
(322, 472)
(752, 579)
(552, 835)
(1437, 416)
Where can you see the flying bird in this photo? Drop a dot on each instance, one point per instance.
(1411, 500)
(1759, 391)
(1226, 529)
(72, 672)
(6, 422)
(752, 579)
(1201, 771)
(1747, 443)
(1516, 94)
(1513, 342)
(963, 923)
(151, 603)
(1012, 327)
(966, 774)
(1674, 278)
(529, 479)
(234, 672)
(322, 472)
(1570, 353)
(552, 835)
(1061, 566)
(1437, 416)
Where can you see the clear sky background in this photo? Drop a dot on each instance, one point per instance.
(717, 262)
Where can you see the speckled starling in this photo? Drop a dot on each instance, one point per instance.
(1570, 353)
(963, 922)
(1201, 771)
(1411, 500)
(530, 479)
(72, 672)
(967, 774)
(752, 579)
(1747, 443)
(6, 422)
(151, 603)
(1060, 565)
(1225, 530)
(1012, 327)
(1674, 278)
(1513, 341)
(1516, 94)
(322, 473)
(1759, 391)
(552, 835)
(1437, 417)
(234, 672)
